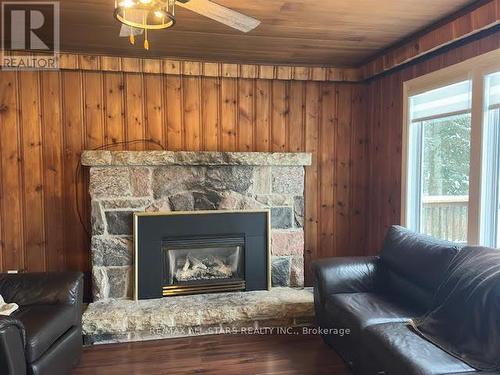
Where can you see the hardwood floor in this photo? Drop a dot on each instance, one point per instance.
(221, 355)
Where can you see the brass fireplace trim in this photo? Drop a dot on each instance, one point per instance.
(220, 287)
(240, 283)
(201, 212)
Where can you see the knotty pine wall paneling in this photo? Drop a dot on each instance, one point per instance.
(354, 131)
(384, 116)
(48, 118)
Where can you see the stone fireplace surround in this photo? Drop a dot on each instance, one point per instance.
(123, 182)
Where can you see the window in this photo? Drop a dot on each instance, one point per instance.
(440, 122)
(451, 166)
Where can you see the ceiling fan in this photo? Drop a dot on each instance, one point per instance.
(139, 16)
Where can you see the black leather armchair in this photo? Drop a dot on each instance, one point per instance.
(374, 298)
(44, 335)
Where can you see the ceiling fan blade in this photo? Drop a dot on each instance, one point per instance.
(221, 14)
(126, 31)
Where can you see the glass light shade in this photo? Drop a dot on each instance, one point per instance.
(146, 14)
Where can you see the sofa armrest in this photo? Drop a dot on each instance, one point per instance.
(12, 342)
(344, 275)
(42, 288)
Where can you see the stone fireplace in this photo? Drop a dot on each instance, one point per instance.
(126, 182)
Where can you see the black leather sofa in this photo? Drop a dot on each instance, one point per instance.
(374, 297)
(44, 335)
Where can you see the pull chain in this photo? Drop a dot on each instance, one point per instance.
(146, 43)
(132, 37)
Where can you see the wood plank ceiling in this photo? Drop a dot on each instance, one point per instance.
(302, 32)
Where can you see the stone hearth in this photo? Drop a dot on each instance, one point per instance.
(122, 182)
(227, 313)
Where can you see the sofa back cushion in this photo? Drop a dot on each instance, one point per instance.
(414, 264)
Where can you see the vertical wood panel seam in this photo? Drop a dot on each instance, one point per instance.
(84, 143)
(163, 112)
(102, 109)
(64, 145)
(83, 138)
(319, 119)
(333, 158)
(320, 168)
(182, 100)
(355, 101)
(83, 116)
(62, 257)
(143, 112)
(2, 216)
(201, 129)
(237, 136)
(254, 114)
(164, 115)
(203, 141)
(124, 111)
(364, 97)
(183, 125)
(21, 173)
(43, 163)
(287, 116)
(270, 144)
(369, 120)
(20, 170)
(349, 166)
(336, 163)
(105, 109)
(219, 114)
(304, 115)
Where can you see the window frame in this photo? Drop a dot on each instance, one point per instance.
(490, 207)
(474, 69)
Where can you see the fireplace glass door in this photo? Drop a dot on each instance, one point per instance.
(203, 264)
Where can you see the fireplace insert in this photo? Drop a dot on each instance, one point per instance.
(178, 253)
(203, 264)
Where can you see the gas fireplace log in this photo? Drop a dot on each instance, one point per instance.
(211, 267)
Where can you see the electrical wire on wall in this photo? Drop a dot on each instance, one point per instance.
(78, 172)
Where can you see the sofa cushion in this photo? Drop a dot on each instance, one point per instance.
(355, 311)
(405, 290)
(402, 351)
(413, 264)
(44, 324)
(359, 310)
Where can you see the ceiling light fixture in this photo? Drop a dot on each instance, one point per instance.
(145, 15)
